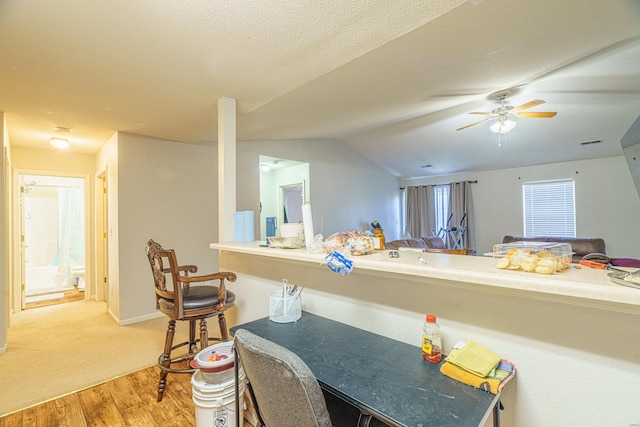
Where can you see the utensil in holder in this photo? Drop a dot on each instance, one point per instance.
(284, 307)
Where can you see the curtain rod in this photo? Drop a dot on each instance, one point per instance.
(434, 185)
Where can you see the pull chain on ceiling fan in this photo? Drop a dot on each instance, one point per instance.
(504, 113)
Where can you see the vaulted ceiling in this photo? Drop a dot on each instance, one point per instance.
(392, 80)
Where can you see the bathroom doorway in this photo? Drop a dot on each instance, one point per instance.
(53, 239)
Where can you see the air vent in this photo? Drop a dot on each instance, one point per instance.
(597, 141)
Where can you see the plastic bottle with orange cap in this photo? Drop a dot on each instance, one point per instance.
(431, 340)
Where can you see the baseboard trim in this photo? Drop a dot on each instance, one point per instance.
(138, 319)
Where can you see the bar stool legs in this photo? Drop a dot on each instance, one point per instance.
(165, 360)
(204, 334)
(224, 332)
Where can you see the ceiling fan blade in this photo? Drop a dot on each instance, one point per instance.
(527, 105)
(473, 124)
(536, 114)
(484, 113)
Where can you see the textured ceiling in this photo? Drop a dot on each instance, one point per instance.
(391, 80)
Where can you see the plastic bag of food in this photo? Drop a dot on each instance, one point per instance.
(337, 242)
(338, 263)
(315, 245)
(360, 245)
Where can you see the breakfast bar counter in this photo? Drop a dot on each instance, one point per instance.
(579, 285)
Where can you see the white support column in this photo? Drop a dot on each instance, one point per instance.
(226, 168)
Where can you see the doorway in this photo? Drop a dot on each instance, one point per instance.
(53, 239)
(292, 196)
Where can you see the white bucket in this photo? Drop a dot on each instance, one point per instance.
(216, 402)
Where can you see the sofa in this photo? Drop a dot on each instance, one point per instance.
(580, 246)
(430, 242)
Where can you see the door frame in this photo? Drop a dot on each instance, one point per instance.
(22, 244)
(16, 289)
(102, 236)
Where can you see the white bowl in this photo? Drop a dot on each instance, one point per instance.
(286, 242)
(223, 348)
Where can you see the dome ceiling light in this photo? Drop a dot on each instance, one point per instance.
(60, 140)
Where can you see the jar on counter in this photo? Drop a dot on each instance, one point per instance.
(378, 239)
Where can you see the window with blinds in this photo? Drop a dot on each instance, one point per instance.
(549, 208)
(441, 206)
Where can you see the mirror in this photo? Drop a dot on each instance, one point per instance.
(292, 199)
(631, 149)
(284, 187)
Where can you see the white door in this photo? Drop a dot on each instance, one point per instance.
(23, 246)
(103, 270)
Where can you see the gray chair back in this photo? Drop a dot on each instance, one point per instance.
(285, 390)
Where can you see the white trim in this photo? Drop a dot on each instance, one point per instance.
(133, 320)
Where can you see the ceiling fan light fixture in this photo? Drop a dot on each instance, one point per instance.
(59, 142)
(503, 126)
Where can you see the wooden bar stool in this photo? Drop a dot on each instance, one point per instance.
(180, 301)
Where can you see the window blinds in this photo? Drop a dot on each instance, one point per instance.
(549, 208)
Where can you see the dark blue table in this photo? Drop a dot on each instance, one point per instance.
(385, 378)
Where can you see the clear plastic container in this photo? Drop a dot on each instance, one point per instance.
(533, 257)
(285, 309)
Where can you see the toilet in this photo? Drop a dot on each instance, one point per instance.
(78, 274)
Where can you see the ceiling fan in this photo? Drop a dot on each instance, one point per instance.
(503, 114)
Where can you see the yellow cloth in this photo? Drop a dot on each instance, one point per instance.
(474, 358)
(487, 384)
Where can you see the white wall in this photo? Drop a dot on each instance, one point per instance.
(347, 192)
(5, 232)
(167, 191)
(607, 204)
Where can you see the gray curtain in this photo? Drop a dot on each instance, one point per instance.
(421, 216)
(421, 213)
(461, 203)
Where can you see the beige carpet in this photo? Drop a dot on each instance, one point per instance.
(56, 350)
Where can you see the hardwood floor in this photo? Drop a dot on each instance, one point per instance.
(131, 401)
(126, 401)
(71, 295)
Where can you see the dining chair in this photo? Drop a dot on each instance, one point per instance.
(185, 297)
(283, 389)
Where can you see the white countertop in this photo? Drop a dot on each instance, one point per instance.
(581, 286)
